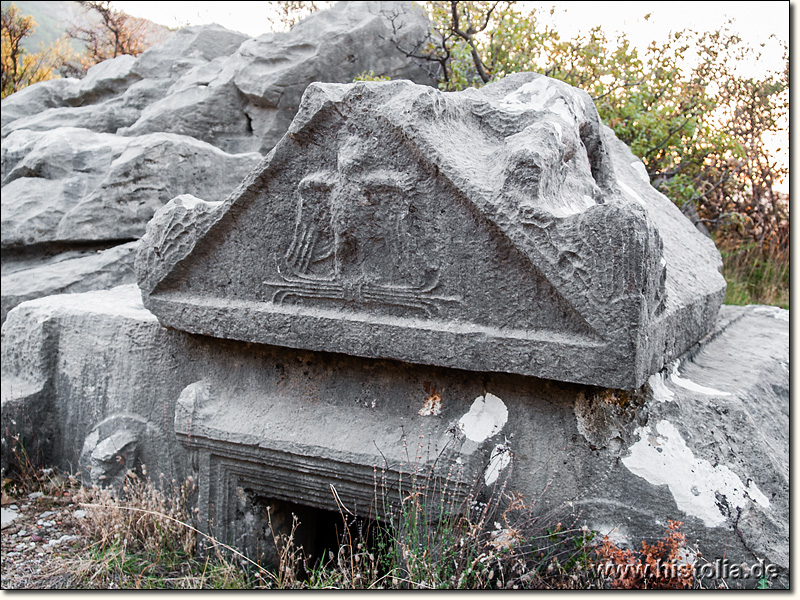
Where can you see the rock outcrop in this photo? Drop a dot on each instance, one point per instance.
(114, 92)
(246, 102)
(68, 272)
(71, 185)
(85, 163)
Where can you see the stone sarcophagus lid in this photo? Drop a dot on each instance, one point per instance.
(500, 229)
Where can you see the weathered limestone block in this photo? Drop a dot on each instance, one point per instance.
(202, 106)
(78, 368)
(66, 184)
(35, 99)
(74, 185)
(186, 49)
(706, 441)
(71, 189)
(67, 273)
(106, 117)
(96, 102)
(105, 79)
(114, 92)
(246, 102)
(712, 442)
(500, 229)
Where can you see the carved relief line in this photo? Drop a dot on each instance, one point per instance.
(309, 245)
(363, 293)
(304, 249)
(326, 223)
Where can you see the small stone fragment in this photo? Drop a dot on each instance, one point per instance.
(8, 517)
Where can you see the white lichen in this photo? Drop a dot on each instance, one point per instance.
(657, 383)
(486, 417)
(499, 460)
(661, 457)
(690, 385)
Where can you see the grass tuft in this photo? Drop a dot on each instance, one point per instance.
(142, 539)
(755, 275)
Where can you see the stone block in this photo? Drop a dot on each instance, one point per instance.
(94, 376)
(501, 229)
(70, 185)
(66, 273)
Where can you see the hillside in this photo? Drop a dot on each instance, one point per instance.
(53, 19)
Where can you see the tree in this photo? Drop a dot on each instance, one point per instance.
(698, 127)
(116, 33)
(468, 42)
(19, 67)
(289, 12)
(754, 109)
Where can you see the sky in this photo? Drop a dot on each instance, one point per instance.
(755, 21)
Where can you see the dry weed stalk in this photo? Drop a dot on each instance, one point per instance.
(432, 531)
(142, 519)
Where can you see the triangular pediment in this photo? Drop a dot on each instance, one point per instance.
(354, 233)
(391, 222)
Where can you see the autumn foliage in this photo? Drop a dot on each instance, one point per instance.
(661, 565)
(18, 67)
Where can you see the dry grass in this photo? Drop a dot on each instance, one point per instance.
(430, 533)
(755, 275)
(437, 531)
(430, 536)
(141, 518)
(141, 538)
